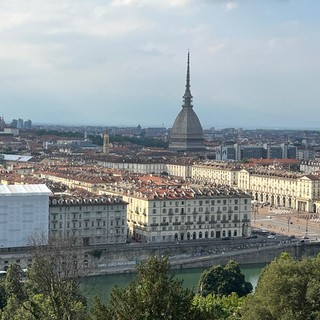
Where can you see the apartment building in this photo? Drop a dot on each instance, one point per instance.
(88, 220)
(220, 173)
(185, 213)
(281, 188)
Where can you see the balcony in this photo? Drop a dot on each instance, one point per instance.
(176, 223)
(154, 224)
(189, 223)
(245, 220)
(164, 223)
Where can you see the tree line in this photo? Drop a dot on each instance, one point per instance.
(288, 289)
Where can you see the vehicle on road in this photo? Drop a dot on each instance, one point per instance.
(271, 236)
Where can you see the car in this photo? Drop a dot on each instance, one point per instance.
(305, 237)
(253, 236)
(292, 236)
(271, 236)
(226, 238)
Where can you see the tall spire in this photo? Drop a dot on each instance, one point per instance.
(187, 97)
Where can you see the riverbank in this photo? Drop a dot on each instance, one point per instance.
(203, 255)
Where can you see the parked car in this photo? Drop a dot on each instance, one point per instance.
(271, 236)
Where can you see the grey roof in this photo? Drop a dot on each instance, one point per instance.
(24, 189)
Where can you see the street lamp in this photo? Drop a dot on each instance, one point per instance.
(289, 218)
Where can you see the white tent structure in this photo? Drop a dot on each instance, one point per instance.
(24, 212)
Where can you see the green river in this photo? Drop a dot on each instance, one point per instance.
(102, 285)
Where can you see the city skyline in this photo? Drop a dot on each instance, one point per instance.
(123, 62)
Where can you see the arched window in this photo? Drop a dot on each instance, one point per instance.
(194, 236)
(200, 235)
(212, 234)
(206, 235)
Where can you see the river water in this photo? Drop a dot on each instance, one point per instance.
(102, 285)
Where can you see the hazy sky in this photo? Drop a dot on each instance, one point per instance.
(254, 63)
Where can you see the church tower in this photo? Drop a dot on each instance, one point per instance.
(187, 134)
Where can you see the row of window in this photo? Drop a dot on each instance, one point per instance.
(86, 215)
(200, 209)
(200, 218)
(202, 202)
(87, 224)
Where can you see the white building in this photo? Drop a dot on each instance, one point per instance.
(164, 214)
(24, 212)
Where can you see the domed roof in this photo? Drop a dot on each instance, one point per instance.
(187, 124)
(187, 134)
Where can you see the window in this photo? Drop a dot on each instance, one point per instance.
(224, 208)
(212, 202)
(212, 209)
(154, 211)
(224, 201)
(164, 210)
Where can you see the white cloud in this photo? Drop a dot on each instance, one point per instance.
(157, 3)
(230, 5)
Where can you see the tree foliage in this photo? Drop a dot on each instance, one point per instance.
(214, 307)
(154, 293)
(287, 289)
(50, 289)
(223, 281)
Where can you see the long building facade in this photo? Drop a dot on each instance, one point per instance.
(186, 214)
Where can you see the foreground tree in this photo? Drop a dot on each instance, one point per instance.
(223, 281)
(51, 286)
(287, 289)
(153, 294)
